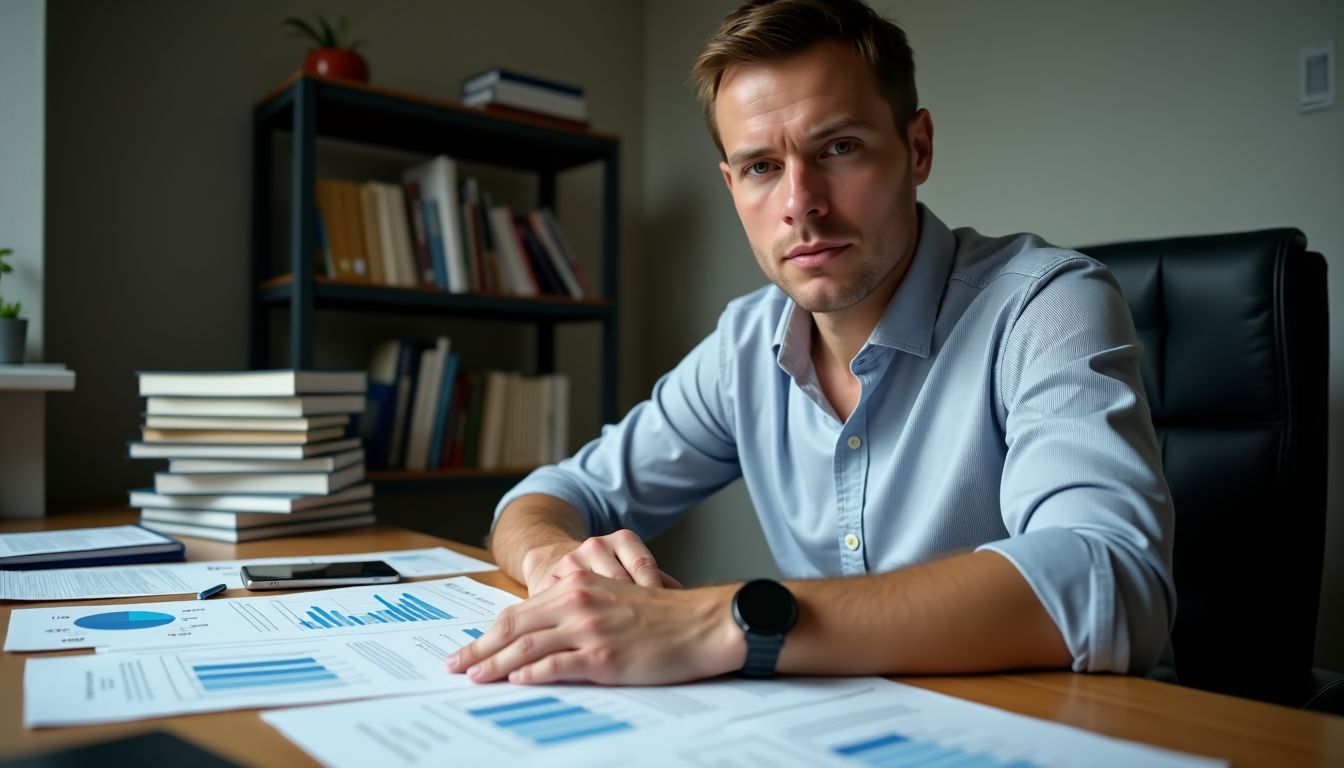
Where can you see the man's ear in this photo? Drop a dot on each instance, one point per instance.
(920, 134)
(727, 176)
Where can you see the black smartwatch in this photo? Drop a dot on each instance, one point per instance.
(765, 611)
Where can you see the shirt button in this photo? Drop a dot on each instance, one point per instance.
(851, 541)
(854, 442)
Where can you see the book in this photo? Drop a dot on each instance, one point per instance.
(381, 406)
(275, 503)
(426, 404)
(214, 483)
(437, 180)
(348, 196)
(415, 214)
(552, 227)
(557, 256)
(434, 235)
(255, 407)
(408, 371)
(251, 383)
(548, 278)
(241, 437)
(493, 409)
(260, 531)
(328, 463)
(518, 277)
(240, 520)
(79, 547)
(443, 410)
(530, 98)
(238, 451)
(497, 75)
(373, 234)
(301, 424)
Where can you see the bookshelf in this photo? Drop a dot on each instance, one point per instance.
(308, 108)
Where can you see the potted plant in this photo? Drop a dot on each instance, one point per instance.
(332, 55)
(13, 329)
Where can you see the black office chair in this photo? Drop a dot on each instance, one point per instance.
(1235, 340)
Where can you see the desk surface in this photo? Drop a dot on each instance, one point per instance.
(1247, 733)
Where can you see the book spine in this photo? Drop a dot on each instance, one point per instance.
(415, 214)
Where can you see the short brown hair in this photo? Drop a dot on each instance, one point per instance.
(770, 30)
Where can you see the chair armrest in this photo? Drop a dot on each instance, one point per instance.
(1327, 692)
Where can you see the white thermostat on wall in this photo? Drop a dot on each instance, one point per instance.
(1316, 77)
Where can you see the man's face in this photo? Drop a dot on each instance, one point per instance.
(821, 177)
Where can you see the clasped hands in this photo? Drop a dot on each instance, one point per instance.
(602, 611)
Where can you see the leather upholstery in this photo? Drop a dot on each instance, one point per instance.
(1234, 366)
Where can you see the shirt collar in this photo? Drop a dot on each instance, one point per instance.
(907, 324)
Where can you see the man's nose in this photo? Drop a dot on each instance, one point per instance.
(807, 194)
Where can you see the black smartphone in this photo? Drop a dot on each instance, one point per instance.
(295, 575)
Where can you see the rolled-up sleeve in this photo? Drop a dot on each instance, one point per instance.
(668, 453)
(1083, 498)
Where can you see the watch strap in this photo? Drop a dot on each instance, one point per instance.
(762, 654)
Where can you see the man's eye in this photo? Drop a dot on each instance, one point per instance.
(843, 147)
(756, 169)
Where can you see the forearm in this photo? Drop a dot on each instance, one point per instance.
(968, 613)
(530, 522)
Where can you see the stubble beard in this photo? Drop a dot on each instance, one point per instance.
(890, 255)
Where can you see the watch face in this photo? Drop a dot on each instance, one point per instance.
(766, 606)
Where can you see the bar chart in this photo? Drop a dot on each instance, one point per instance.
(263, 673)
(893, 750)
(547, 720)
(388, 610)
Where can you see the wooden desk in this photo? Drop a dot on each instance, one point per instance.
(1245, 732)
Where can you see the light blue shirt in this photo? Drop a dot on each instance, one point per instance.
(1001, 409)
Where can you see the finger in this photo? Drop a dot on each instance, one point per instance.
(637, 560)
(598, 560)
(668, 581)
(513, 621)
(562, 667)
(525, 650)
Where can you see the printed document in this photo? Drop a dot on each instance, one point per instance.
(797, 723)
(183, 578)
(364, 610)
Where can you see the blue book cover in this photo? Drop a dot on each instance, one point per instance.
(443, 410)
(434, 231)
(492, 76)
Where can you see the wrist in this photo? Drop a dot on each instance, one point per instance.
(723, 646)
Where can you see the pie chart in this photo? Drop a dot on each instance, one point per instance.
(124, 620)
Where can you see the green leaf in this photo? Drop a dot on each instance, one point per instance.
(302, 29)
(329, 39)
(5, 269)
(10, 310)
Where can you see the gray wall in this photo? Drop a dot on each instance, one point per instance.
(22, 95)
(1082, 121)
(148, 167)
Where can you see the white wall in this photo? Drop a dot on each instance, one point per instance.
(1082, 121)
(23, 74)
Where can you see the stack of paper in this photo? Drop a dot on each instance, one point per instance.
(253, 454)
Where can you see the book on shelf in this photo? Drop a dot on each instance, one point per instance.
(275, 503)
(514, 267)
(240, 520)
(301, 424)
(530, 99)
(137, 450)
(415, 215)
(490, 77)
(215, 483)
(329, 463)
(434, 239)
(254, 533)
(274, 383)
(79, 547)
(544, 219)
(428, 383)
(240, 437)
(255, 407)
(437, 181)
(373, 234)
(443, 412)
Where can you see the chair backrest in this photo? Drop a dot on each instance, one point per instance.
(1234, 365)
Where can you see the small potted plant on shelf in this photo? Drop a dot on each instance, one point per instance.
(334, 54)
(13, 329)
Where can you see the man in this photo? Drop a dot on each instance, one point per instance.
(943, 434)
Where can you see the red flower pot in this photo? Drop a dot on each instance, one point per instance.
(337, 62)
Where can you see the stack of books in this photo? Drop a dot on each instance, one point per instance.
(253, 454)
(502, 90)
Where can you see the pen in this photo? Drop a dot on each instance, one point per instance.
(207, 592)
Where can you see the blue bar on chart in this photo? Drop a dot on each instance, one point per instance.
(546, 720)
(893, 750)
(256, 674)
(408, 608)
(474, 632)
